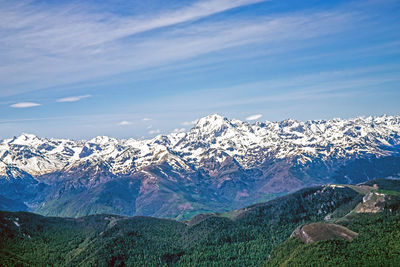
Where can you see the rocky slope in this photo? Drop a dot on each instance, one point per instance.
(217, 165)
(315, 232)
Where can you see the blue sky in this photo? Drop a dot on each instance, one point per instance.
(79, 69)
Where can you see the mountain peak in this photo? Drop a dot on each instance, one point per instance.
(102, 140)
(28, 136)
(211, 137)
(213, 119)
(25, 139)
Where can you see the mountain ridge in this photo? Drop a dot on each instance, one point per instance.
(205, 131)
(217, 165)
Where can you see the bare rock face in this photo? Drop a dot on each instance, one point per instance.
(378, 201)
(373, 202)
(322, 231)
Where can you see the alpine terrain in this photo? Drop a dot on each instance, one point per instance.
(216, 166)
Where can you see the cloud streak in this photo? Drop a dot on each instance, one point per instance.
(124, 123)
(189, 123)
(59, 46)
(25, 105)
(86, 29)
(316, 86)
(179, 130)
(72, 98)
(253, 117)
(157, 131)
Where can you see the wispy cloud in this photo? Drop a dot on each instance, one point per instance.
(124, 123)
(189, 123)
(146, 119)
(81, 45)
(25, 105)
(179, 130)
(72, 98)
(253, 117)
(341, 83)
(89, 30)
(298, 56)
(157, 131)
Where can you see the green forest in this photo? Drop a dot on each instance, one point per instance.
(254, 236)
(378, 244)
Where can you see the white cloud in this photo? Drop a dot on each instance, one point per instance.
(85, 46)
(189, 123)
(73, 98)
(307, 86)
(150, 126)
(146, 119)
(25, 105)
(154, 131)
(177, 130)
(123, 123)
(253, 117)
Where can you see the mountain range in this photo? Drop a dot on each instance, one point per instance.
(218, 165)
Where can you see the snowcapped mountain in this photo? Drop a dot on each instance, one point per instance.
(216, 163)
(212, 137)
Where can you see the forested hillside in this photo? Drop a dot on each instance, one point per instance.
(243, 237)
(378, 244)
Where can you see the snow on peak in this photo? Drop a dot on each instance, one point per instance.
(25, 139)
(213, 136)
(28, 136)
(102, 140)
(213, 121)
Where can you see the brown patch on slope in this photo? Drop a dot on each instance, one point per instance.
(322, 231)
(373, 202)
